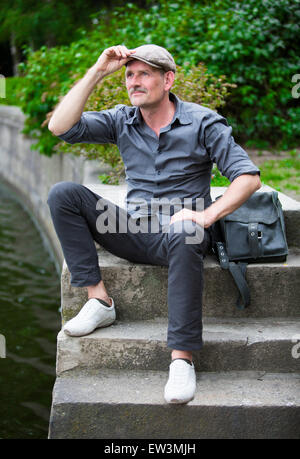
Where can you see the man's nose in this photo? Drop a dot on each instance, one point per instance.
(135, 80)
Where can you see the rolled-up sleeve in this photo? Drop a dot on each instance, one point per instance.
(231, 160)
(93, 127)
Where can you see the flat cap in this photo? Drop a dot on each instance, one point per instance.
(156, 56)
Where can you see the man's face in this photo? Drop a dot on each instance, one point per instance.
(146, 85)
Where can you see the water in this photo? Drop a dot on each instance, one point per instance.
(29, 321)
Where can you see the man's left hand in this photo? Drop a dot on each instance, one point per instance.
(187, 214)
(204, 218)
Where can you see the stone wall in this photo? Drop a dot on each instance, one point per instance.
(30, 175)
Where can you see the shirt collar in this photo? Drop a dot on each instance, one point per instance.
(135, 116)
(180, 113)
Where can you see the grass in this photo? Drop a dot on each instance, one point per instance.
(281, 174)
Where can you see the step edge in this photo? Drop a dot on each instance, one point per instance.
(206, 381)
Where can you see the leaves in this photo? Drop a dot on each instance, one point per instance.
(244, 53)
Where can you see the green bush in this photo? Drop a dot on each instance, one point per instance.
(253, 43)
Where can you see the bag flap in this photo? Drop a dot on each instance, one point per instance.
(261, 207)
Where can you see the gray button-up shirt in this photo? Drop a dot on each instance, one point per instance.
(178, 163)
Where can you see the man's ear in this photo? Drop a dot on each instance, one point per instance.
(169, 79)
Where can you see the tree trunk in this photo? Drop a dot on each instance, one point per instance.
(14, 54)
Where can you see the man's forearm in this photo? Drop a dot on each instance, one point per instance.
(70, 109)
(236, 194)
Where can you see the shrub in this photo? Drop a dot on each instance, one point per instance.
(253, 43)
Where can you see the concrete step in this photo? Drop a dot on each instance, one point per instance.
(229, 344)
(140, 291)
(110, 383)
(116, 404)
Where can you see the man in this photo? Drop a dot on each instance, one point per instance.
(168, 147)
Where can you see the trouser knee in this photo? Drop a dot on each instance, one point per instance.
(60, 192)
(187, 235)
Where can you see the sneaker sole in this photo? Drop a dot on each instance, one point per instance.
(103, 325)
(175, 401)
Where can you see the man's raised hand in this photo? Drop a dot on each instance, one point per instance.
(112, 59)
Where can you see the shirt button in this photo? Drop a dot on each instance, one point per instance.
(158, 172)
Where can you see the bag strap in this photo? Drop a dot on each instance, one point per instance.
(254, 238)
(238, 272)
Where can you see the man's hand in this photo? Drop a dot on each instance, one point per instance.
(112, 59)
(187, 214)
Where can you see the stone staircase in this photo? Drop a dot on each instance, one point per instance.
(110, 383)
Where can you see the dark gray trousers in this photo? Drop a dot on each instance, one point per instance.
(75, 212)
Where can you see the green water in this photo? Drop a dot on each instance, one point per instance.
(29, 321)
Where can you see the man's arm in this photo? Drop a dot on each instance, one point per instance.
(236, 194)
(233, 162)
(70, 109)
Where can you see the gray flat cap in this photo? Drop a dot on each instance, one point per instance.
(156, 56)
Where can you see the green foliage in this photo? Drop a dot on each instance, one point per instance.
(217, 179)
(282, 174)
(50, 22)
(256, 46)
(253, 43)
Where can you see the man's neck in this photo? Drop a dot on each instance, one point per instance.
(159, 116)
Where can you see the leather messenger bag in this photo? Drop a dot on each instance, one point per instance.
(253, 233)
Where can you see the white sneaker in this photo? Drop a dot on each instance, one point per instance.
(94, 314)
(181, 385)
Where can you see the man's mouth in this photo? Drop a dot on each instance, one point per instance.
(137, 92)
